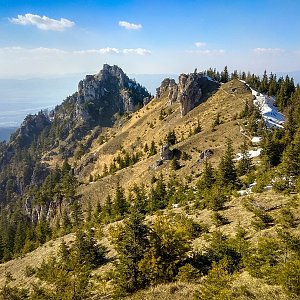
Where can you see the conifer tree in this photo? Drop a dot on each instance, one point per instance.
(107, 211)
(120, 205)
(171, 138)
(245, 163)
(66, 222)
(168, 246)
(175, 164)
(20, 236)
(225, 75)
(227, 175)
(207, 179)
(153, 149)
(131, 243)
(290, 165)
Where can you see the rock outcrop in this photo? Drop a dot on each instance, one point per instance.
(166, 153)
(191, 90)
(103, 95)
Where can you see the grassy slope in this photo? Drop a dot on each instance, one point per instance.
(145, 126)
(228, 104)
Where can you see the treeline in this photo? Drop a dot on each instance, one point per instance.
(281, 88)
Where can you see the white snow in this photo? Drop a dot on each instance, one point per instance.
(266, 106)
(269, 112)
(252, 154)
(256, 139)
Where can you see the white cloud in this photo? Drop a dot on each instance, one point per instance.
(43, 23)
(211, 52)
(107, 50)
(101, 51)
(137, 51)
(200, 44)
(130, 26)
(268, 50)
(39, 50)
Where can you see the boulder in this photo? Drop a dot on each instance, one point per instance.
(166, 153)
(205, 154)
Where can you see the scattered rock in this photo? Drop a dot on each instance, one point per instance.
(157, 163)
(205, 154)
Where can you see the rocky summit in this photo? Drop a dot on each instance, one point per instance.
(191, 90)
(109, 92)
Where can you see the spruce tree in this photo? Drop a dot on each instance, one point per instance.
(131, 243)
(120, 205)
(245, 163)
(227, 175)
(153, 149)
(207, 179)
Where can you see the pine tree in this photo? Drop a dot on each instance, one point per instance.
(153, 149)
(207, 179)
(107, 211)
(175, 164)
(19, 237)
(120, 205)
(225, 75)
(66, 222)
(290, 165)
(227, 175)
(171, 138)
(131, 243)
(169, 242)
(245, 163)
(77, 214)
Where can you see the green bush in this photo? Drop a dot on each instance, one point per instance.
(188, 273)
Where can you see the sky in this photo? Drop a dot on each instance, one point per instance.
(56, 38)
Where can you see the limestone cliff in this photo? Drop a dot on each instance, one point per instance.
(191, 90)
(109, 92)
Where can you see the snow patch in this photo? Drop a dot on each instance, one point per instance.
(256, 139)
(269, 112)
(251, 153)
(265, 103)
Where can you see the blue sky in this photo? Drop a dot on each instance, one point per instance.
(50, 38)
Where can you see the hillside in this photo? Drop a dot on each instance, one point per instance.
(145, 126)
(188, 194)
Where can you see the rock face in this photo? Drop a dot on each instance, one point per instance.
(191, 90)
(166, 153)
(109, 92)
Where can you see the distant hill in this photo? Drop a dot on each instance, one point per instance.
(5, 133)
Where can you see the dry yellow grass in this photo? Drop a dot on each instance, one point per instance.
(17, 266)
(145, 126)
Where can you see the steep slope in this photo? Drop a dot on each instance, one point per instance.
(148, 125)
(99, 99)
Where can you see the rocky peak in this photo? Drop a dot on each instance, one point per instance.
(109, 92)
(191, 90)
